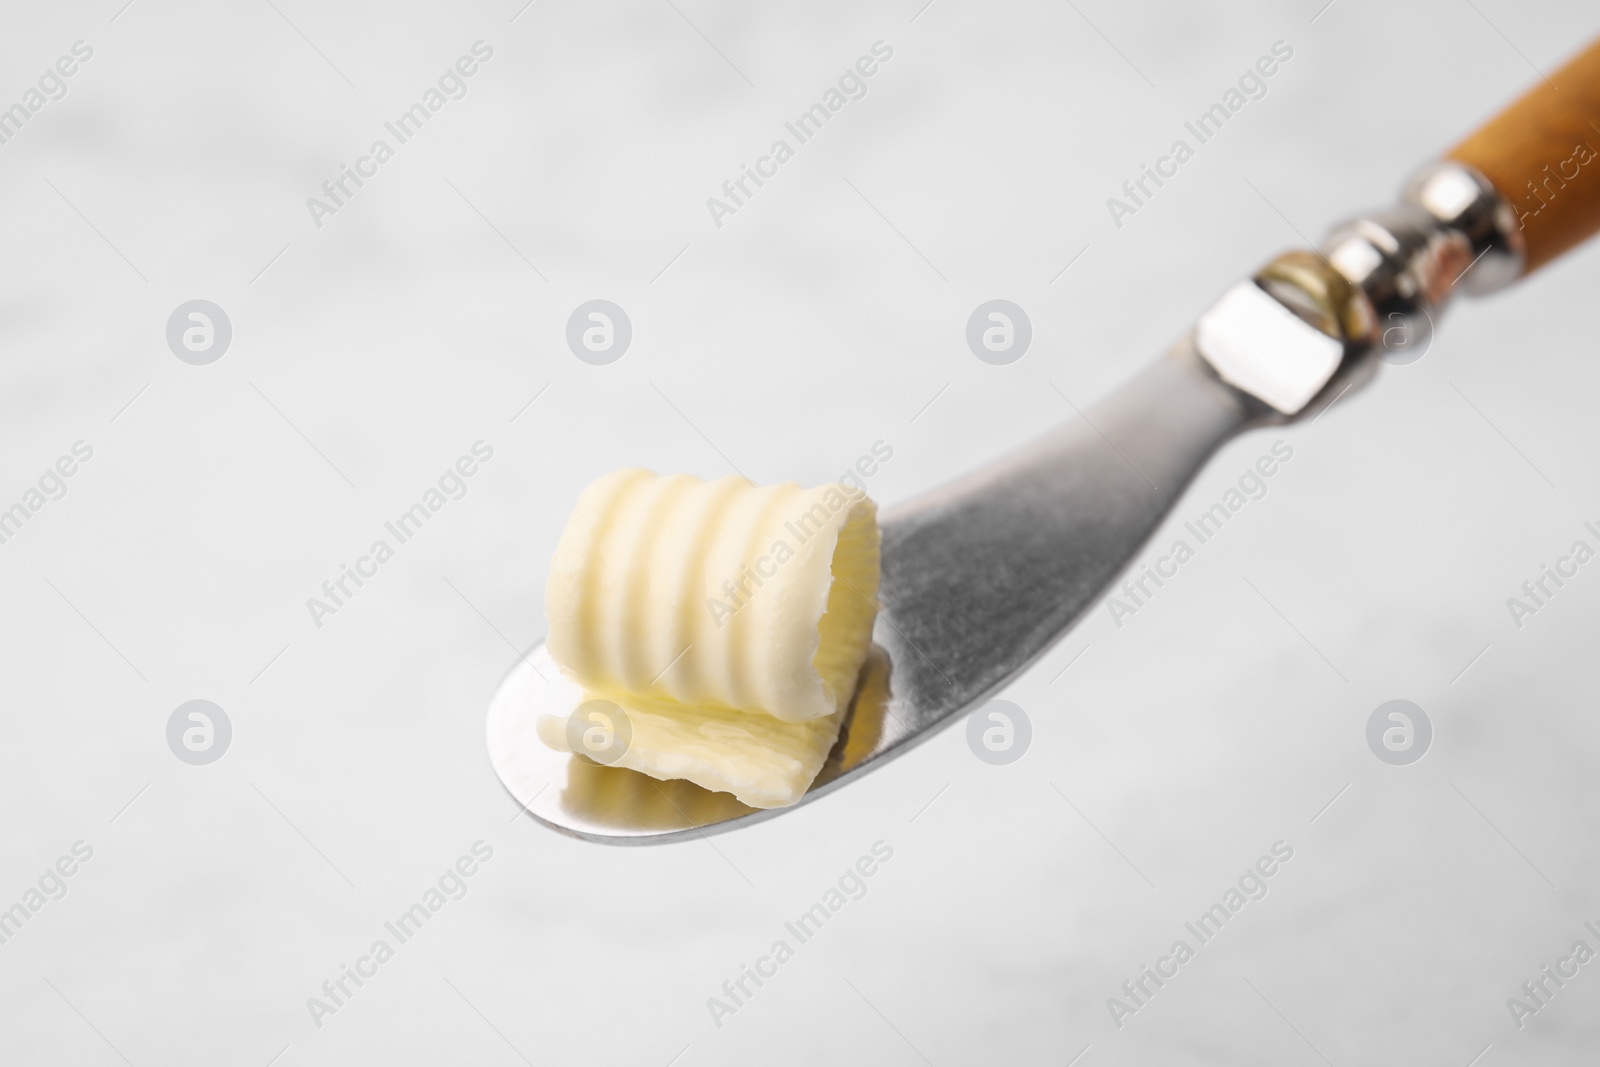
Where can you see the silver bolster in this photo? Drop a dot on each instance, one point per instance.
(1379, 281)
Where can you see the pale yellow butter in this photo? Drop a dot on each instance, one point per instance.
(728, 621)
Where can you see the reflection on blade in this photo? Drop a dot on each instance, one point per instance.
(629, 802)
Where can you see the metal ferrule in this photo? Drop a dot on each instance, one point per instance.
(1451, 230)
(1377, 285)
(1462, 200)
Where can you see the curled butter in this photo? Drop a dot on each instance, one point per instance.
(729, 621)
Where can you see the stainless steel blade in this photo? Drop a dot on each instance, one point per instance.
(979, 579)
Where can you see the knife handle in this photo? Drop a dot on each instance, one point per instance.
(1542, 154)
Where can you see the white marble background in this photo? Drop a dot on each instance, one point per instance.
(373, 351)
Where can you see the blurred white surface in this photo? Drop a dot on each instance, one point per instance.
(369, 353)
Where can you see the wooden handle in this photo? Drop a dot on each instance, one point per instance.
(1543, 154)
